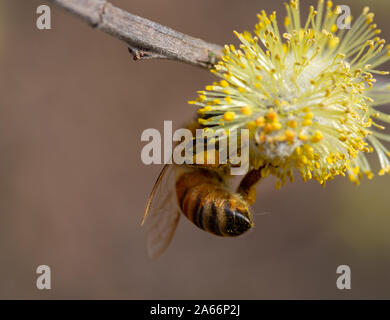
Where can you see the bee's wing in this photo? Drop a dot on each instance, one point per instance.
(162, 212)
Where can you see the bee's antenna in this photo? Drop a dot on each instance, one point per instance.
(261, 213)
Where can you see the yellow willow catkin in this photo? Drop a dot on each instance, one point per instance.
(307, 95)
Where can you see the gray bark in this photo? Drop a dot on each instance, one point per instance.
(146, 39)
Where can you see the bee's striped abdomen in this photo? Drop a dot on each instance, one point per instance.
(208, 205)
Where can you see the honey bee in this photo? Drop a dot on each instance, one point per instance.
(206, 196)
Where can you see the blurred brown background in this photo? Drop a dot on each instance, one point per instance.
(72, 185)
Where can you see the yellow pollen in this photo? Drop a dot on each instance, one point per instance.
(308, 116)
(260, 121)
(276, 126)
(272, 115)
(343, 138)
(304, 160)
(290, 135)
(246, 111)
(267, 128)
(369, 174)
(303, 137)
(224, 83)
(228, 116)
(201, 98)
(292, 124)
(317, 137)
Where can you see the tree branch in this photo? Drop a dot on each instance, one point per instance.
(146, 39)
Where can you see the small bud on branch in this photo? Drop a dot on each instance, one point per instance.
(146, 39)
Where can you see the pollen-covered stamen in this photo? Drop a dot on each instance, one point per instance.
(307, 95)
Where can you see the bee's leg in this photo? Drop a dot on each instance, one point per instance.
(247, 187)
